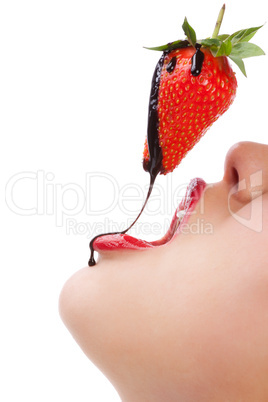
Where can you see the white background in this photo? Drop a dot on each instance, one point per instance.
(75, 83)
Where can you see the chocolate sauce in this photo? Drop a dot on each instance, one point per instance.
(197, 61)
(154, 164)
(171, 65)
(91, 261)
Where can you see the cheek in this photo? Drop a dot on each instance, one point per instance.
(241, 263)
(247, 229)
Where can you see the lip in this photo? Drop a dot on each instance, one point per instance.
(120, 241)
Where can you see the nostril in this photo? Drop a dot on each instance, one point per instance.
(234, 176)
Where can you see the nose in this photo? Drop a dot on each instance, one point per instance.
(246, 170)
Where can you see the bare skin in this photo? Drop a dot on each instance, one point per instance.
(187, 321)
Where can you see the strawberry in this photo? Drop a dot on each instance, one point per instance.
(193, 86)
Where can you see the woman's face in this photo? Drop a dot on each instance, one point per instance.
(186, 321)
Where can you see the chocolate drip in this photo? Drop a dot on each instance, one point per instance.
(197, 61)
(171, 65)
(91, 261)
(154, 165)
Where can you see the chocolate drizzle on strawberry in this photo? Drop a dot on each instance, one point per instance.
(171, 65)
(197, 61)
(154, 164)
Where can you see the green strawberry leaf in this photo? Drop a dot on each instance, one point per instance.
(239, 62)
(225, 48)
(170, 46)
(228, 47)
(213, 45)
(218, 47)
(243, 50)
(211, 42)
(222, 37)
(244, 35)
(189, 32)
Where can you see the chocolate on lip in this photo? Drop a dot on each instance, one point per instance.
(126, 242)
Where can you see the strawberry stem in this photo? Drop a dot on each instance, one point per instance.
(218, 23)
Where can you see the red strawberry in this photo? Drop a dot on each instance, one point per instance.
(195, 85)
